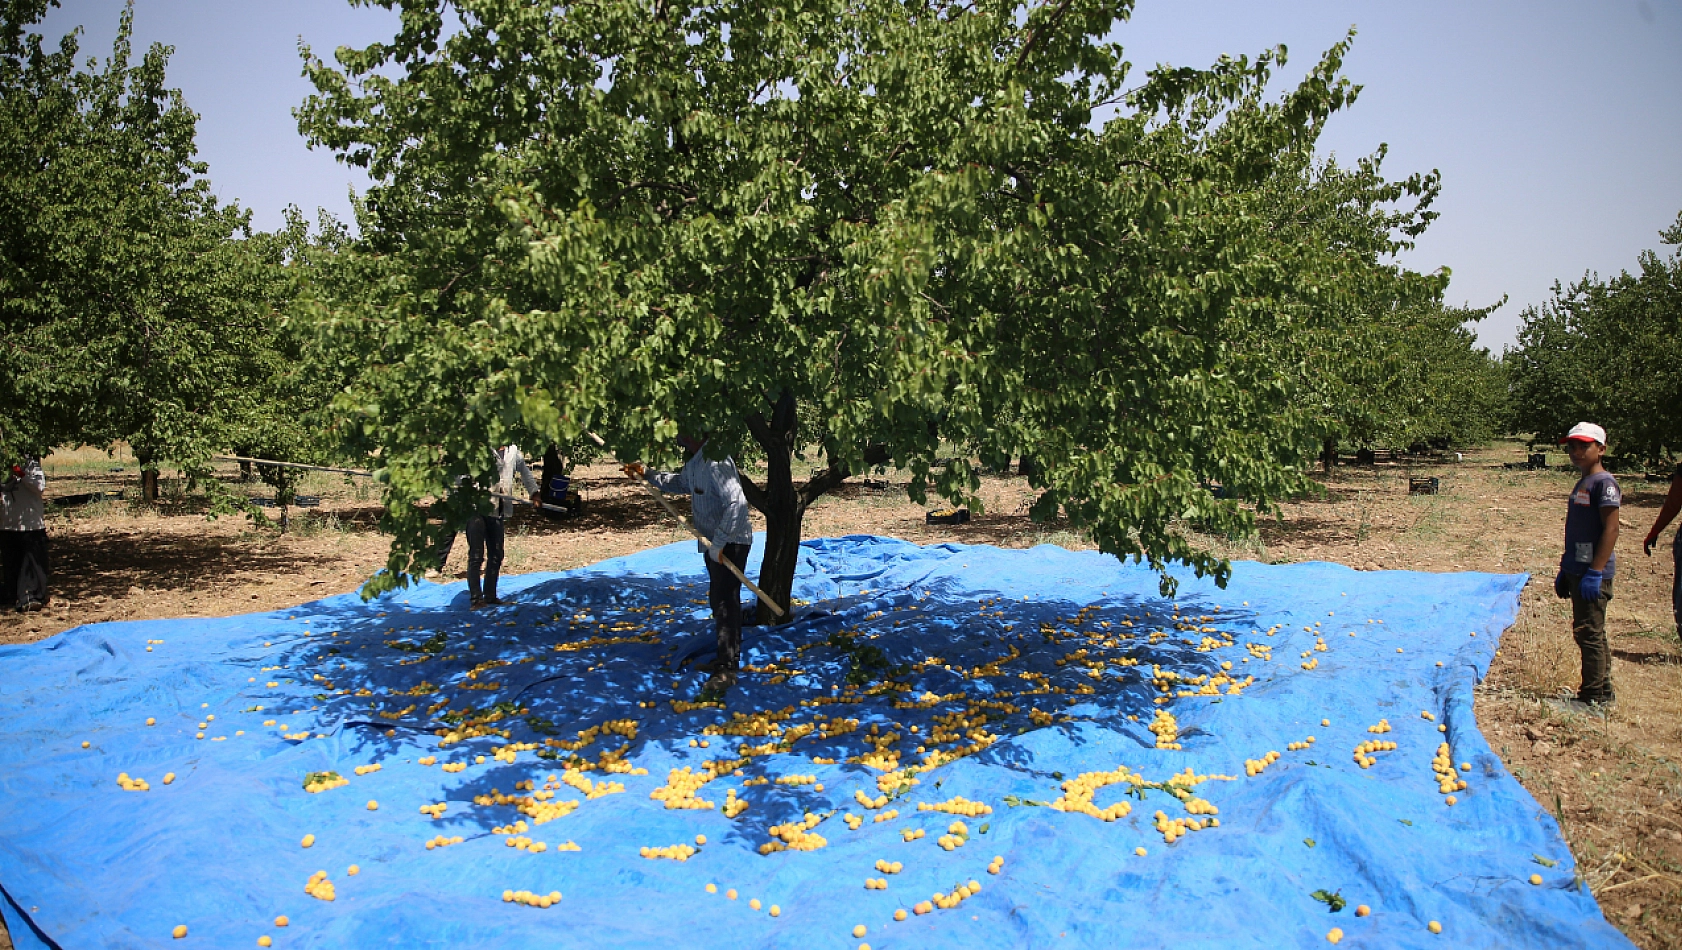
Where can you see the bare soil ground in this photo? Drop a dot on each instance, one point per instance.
(1614, 782)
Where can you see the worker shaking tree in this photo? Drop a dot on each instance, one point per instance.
(721, 516)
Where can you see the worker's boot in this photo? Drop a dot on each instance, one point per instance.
(723, 667)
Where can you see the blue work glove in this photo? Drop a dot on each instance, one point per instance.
(1589, 587)
(1562, 585)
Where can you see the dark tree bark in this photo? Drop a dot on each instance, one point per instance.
(1328, 455)
(784, 504)
(148, 476)
(780, 503)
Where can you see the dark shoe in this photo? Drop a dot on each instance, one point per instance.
(476, 603)
(1598, 699)
(31, 607)
(494, 601)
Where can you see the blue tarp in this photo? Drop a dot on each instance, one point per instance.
(1027, 669)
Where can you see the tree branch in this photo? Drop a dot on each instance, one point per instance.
(1034, 37)
(826, 481)
(687, 192)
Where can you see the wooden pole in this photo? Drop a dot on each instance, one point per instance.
(527, 501)
(311, 468)
(660, 497)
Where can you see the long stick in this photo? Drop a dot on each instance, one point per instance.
(527, 501)
(660, 497)
(311, 468)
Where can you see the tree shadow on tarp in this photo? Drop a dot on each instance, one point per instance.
(972, 672)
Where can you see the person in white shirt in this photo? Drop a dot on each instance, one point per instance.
(720, 511)
(486, 533)
(23, 536)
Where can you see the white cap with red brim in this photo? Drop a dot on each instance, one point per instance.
(1585, 432)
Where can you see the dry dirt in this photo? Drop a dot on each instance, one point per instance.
(1614, 782)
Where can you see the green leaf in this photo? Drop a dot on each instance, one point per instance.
(1333, 900)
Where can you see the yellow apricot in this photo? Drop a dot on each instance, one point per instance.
(281, 921)
(308, 841)
(731, 893)
(353, 870)
(859, 930)
(179, 931)
(1334, 935)
(1362, 911)
(776, 911)
(373, 806)
(1535, 878)
(264, 941)
(712, 888)
(1434, 927)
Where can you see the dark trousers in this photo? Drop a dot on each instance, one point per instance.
(1676, 582)
(23, 558)
(486, 535)
(1588, 628)
(724, 594)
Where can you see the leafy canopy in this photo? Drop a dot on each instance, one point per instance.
(1609, 352)
(133, 306)
(914, 221)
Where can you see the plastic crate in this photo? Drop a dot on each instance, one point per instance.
(1422, 484)
(948, 516)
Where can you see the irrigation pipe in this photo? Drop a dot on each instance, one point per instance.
(660, 497)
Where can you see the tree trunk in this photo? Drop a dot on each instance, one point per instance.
(783, 507)
(148, 476)
(1328, 455)
(782, 553)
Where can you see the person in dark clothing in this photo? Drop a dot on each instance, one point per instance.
(24, 568)
(1672, 505)
(1588, 564)
(486, 533)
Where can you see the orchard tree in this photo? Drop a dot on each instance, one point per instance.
(1607, 351)
(913, 221)
(125, 288)
(1447, 388)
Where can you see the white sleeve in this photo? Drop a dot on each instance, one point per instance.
(524, 471)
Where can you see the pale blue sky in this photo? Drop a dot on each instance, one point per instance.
(1557, 125)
